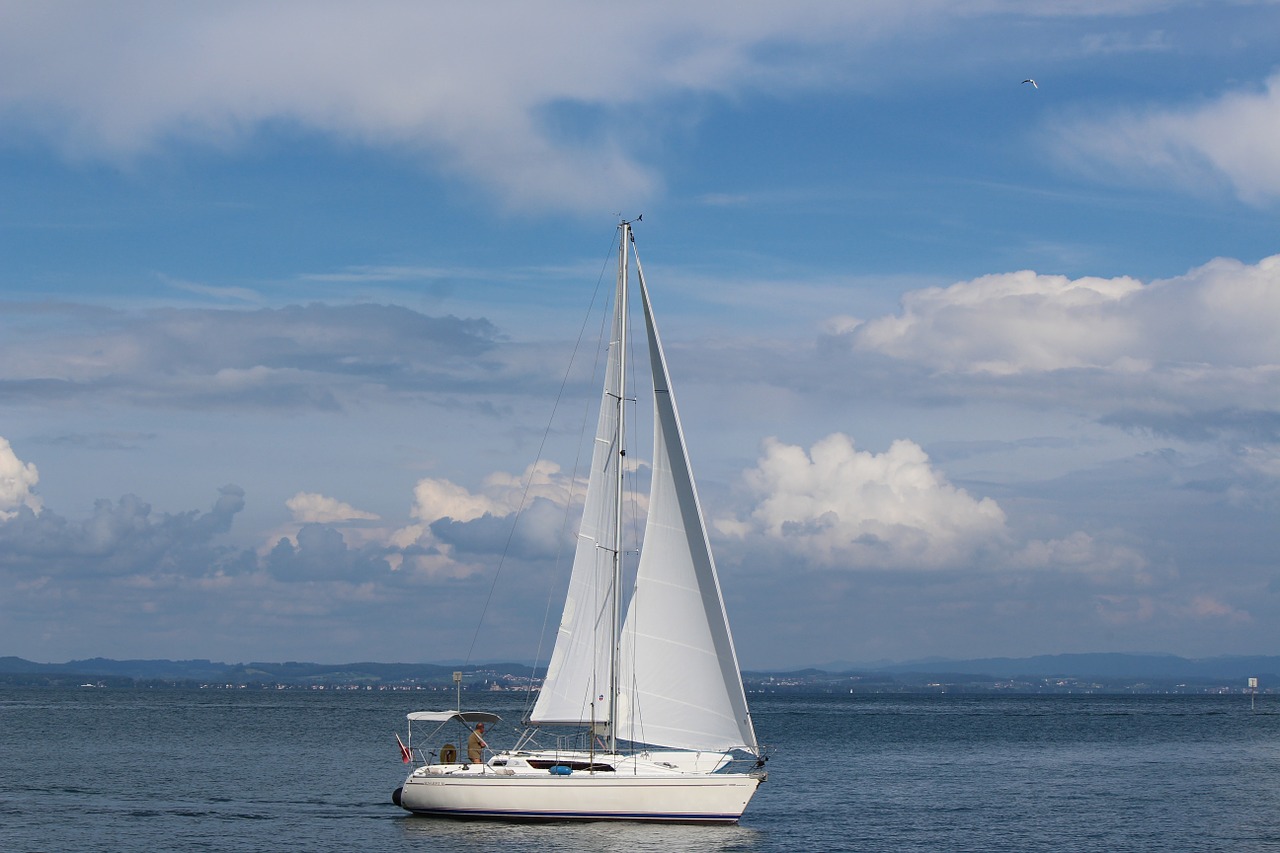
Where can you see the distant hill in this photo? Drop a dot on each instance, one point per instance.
(1107, 669)
(1042, 674)
(1103, 665)
(289, 673)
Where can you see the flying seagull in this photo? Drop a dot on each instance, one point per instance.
(1032, 82)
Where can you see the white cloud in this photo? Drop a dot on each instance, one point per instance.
(470, 86)
(834, 506)
(312, 508)
(501, 494)
(452, 525)
(1083, 554)
(1230, 140)
(441, 501)
(840, 506)
(1008, 323)
(1218, 318)
(18, 480)
(1194, 357)
(544, 103)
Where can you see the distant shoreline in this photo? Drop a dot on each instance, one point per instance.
(1042, 675)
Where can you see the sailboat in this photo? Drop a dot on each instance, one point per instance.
(652, 696)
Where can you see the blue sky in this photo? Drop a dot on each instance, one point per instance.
(968, 367)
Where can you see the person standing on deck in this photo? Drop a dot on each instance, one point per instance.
(476, 745)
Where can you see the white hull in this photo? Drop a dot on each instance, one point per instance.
(480, 792)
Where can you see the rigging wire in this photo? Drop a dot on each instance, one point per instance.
(602, 347)
(533, 470)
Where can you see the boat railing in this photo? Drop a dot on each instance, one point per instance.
(544, 740)
(448, 754)
(751, 765)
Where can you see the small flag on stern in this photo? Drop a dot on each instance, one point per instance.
(405, 755)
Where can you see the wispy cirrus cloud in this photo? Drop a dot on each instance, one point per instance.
(1225, 142)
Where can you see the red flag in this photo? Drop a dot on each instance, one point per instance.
(405, 755)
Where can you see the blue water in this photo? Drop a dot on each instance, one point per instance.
(123, 770)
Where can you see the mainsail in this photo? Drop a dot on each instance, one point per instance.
(579, 676)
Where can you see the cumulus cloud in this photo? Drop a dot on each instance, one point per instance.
(831, 506)
(320, 554)
(455, 532)
(328, 539)
(1217, 316)
(1008, 323)
(1197, 355)
(18, 480)
(1227, 141)
(841, 506)
(331, 542)
(836, 507)
(312, 508)
(454, 524)
(501, 493)
(70, 583)
(120, 538)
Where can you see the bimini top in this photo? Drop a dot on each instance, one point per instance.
(446, 716)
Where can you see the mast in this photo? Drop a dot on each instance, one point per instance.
(620, 452)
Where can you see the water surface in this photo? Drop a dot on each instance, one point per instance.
(241, 770)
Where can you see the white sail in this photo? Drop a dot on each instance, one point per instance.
(679, 683)
(578, 678)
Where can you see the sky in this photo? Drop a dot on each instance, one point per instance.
(968, 366)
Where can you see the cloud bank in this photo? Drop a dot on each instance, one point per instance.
(295, 357)
(522, 103)
(1197, 355)
(123, 538)
(510, 96)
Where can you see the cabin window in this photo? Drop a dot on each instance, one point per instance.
(543, 764)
